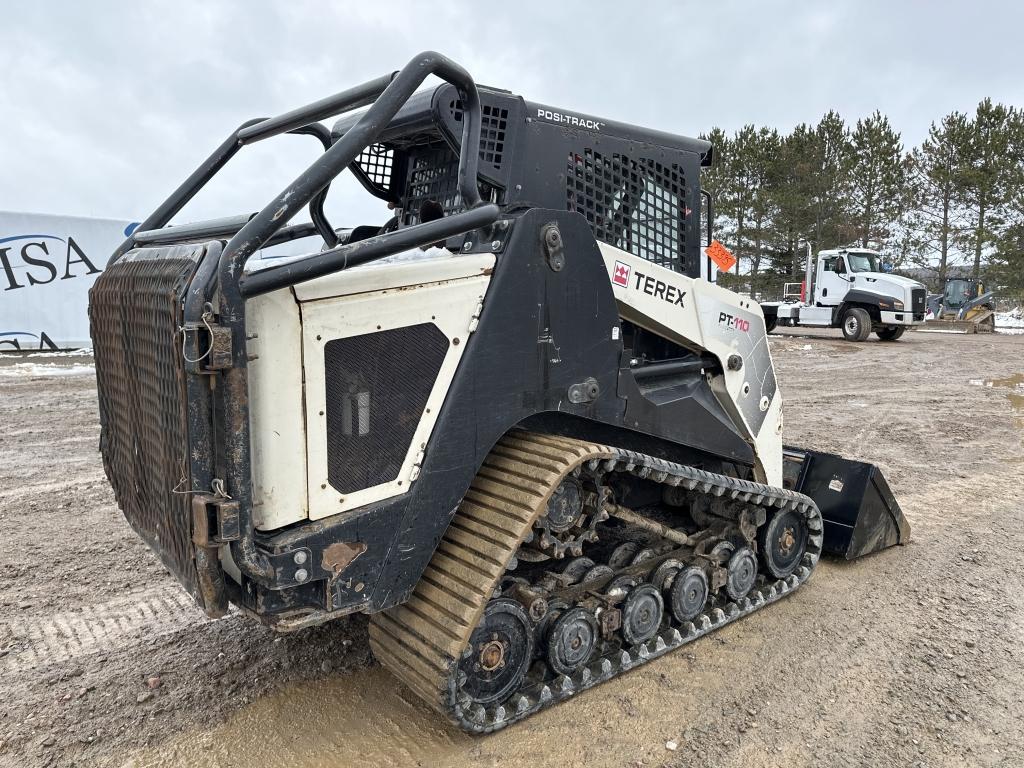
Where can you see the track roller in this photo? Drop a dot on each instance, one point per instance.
(688, 594)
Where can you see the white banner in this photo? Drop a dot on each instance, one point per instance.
(47, 265)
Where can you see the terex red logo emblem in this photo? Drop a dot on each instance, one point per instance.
(620, 275)
(736, 323)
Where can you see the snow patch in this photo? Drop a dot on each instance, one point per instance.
(65, 353)
(1010, 322)
(28, 370)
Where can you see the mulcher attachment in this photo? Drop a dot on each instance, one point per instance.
(860, 513)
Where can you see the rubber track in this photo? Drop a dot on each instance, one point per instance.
(421, 640)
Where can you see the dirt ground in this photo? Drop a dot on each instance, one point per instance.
(914, 656)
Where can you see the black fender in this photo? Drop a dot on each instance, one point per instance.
(874, 303)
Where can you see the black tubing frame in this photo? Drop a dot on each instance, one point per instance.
(219, 289)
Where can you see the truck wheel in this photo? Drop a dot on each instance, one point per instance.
(890, 332)
(856, 324)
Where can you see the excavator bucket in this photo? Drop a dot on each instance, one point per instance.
(859, 511)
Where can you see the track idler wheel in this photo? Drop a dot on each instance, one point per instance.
(782, 543)
(576, 569)
(498, 655)
(688, 594)
(741, 573)
(571, 640)
(641, 614)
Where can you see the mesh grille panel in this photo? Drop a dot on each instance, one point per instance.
(493, 122)
(134, 315)
(636, 205)
(434, 175)
(377, 387)
(434, 172)
(377, 162)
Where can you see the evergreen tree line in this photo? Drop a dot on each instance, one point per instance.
(953, 205)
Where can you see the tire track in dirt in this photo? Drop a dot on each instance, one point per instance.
(40, 641)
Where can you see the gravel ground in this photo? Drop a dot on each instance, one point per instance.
(910, 657)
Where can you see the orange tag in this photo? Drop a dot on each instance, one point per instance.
(719, 254)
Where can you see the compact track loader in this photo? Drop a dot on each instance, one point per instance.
(540, 456)
(964, 306)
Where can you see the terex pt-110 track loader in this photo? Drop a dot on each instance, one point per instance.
(539, 456)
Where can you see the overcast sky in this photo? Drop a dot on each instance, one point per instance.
(105, 107)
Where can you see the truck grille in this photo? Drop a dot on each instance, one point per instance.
(135, 315)
(917, 298)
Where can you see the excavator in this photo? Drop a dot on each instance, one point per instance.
(514, 423)
(964, 306)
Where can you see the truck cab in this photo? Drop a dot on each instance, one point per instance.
(851, 290)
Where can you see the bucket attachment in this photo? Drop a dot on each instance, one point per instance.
(982, 321)
(860, 513)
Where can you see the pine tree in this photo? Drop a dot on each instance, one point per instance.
(878, 180)
(937, 180)
(989, 178)
(765, 151)
(1008, 258)
(808, 185)
(790, 185)
(718, 180)
(830, 182)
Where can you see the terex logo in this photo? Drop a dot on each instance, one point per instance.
(654, 287)
(736, 323)
(620, 275)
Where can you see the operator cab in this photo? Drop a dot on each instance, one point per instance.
(837, 274)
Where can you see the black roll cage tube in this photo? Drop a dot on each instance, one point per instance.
(219, 290)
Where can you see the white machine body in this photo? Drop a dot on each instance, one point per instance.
(289, 329)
